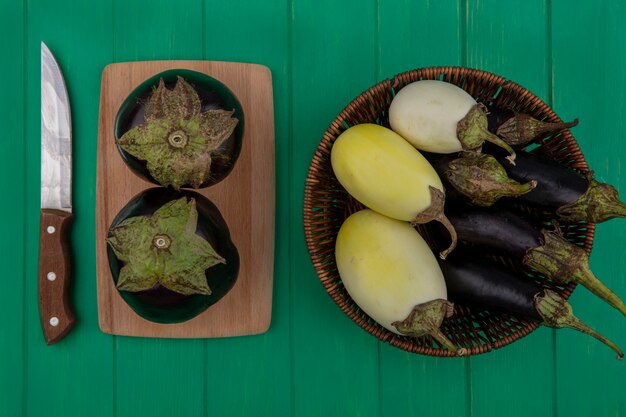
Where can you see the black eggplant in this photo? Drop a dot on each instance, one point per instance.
(545, 251)
(213, 95)
(520, 128)
(483, 284)
(477, 176)
(160, 304)
(574, 197)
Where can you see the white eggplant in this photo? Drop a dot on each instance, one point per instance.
(388, 175)
(439, 117)
(391, 273)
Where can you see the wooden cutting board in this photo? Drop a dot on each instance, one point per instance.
(245, 198)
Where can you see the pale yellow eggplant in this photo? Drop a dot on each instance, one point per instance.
(391, 273)
(388, 175)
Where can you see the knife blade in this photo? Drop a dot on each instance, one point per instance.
(55, 312)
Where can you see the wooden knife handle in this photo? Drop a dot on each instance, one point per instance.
(55, 312)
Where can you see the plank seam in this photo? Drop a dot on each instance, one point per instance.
(205, 376)
(24, 404)
(549, 57)
(468, 387)
(550, 63)
(204, 19)
(463, 24)
(377, 68)
(290, 154)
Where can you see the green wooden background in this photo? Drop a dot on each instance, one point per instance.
(313, 361)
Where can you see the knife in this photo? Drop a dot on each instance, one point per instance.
(55, 312)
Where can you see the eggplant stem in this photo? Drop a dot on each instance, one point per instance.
(425, 319)
(522, 128)
(553, 127)
(516, 189)
(557, 312)
(543, 127)
(499, 142)
(473, 130)
(584, 276)
(598, 204)
(579, 325)
(618, 209)
(443, 340)
(564, 262)
(529, 186)
(481, 178)
(453, 236)
(435, 212)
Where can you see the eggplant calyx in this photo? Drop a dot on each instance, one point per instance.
(557, 312)
(164, 249)
(435, 212)
(522, 128)
(598, 204)
(473, 130)
(425, 319)
(564, 262)
(481, 178)
(177, 134)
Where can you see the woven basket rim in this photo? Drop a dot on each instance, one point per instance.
(362, 101)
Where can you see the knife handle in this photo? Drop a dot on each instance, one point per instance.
(55, 312)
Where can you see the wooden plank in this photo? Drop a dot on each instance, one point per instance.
(260, 365)
(511, 40)
(590, 83)
(420, 34)
(159, 377)
(158, 30)
(12, 172)
(335, 363)
(418, 385)
(423, 34)
(74, 376)
(245, 199)
(527, 365)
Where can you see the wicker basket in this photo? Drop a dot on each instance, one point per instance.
(327, 205)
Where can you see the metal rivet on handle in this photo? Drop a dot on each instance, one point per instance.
(54, 321)
(51, 276)
(51, 229)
